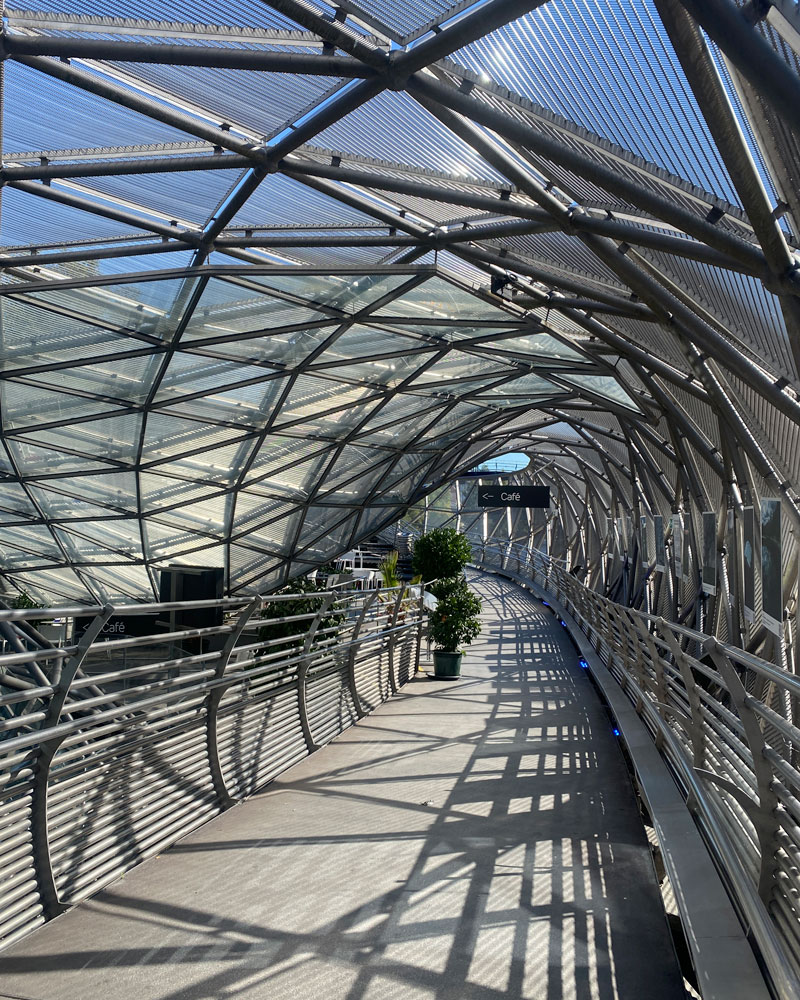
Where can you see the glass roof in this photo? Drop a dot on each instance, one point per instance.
(273, 275)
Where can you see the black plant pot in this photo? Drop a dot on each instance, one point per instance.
(447, 666)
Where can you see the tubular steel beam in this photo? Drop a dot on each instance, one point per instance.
(673, 311)
(750, 53)
(500, 204)
(216, 57)
(476, 24)
(43, 259)
(114, 168)
(567, 156)
(108, 212)
(704, 80)
(333, 32)
(294, 166)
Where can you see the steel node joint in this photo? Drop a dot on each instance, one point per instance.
(395, 76)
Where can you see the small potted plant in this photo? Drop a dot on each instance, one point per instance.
(388, 569)
(453, 623)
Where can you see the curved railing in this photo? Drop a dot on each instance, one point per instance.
(725, 722)
(111, 748)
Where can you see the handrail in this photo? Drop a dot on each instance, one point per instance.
(113, 748)
(727, 723)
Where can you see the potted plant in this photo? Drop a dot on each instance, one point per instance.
(453, 623)
(388, 569)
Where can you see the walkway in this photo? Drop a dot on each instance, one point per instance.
(474, 840)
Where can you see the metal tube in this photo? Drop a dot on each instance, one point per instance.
(95, 84)
(751, 54)
(107, 211)
(613, 181)
(501, 204)
(216, 57)
(134, 165)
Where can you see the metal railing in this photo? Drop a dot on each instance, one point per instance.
(113, 748)
(726, 723)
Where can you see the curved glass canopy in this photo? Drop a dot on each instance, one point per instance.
(273, 274)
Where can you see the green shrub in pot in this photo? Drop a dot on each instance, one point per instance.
(452, 624)
(441, 553)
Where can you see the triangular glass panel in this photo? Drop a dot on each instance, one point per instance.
(35, 460)
(363, 341)
(167, 436)
(538, 346)
(123, 380)
(228, 308)
(159, 492)
(375, 518)
(14, 501)
(217, 465)
(346, 293)
(259, 103)
(353, 491)
(456, 365)
(91, 121)
(55, 586)
(281, 201)
(109, 543)
(394, 120)
(26, 557)
(115, 490)
(277, 536)
(277, 453)
(166, 542)
(602, 385)
(253, 511)
(287, 350)
(321, 538)
(26, 405)
(352, 460)
(151, 308)
(243, 394)
(119, 535)
(439, 299)
(518, 389)
(123, 582)
(294, 481)
(311, 396)
(209, 515)
(402, 420)
(33, 538)
(185, 196)
(58, 506)
(32, 336)
(31, 220)
(110, 438)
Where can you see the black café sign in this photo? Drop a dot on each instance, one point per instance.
(513, 496)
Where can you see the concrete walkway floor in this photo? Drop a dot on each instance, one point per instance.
(470, 840)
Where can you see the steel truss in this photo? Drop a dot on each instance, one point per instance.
(230, 407)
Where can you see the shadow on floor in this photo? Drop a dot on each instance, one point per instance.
(470, 841)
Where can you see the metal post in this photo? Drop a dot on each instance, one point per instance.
(302, 673)
(40, 839)
(212, 705)
(392, 640)
(763, 810)
(355, 645)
